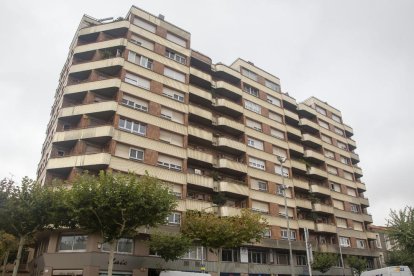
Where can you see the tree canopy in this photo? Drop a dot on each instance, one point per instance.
(356, 263)
(324, 261)
(170, 247)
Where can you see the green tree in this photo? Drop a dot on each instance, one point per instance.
(357, 263)
(116, 205)
(216, 232)
(8, 243)
(324, 261)
(170, 247)
(401, 228)
(26, 209)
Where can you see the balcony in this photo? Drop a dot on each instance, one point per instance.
(324, 227)
(298, 165)
(361, 186)
(200, 133)
(233, 188)
(101, 45)
(95, 159)
(306, 111)
(201, 93)
(354, 157)
(317, 173)
(229, 145)
(303, 203)
(320, 190)
(297, 148)
(289, 115)
(357, 171)
(228, 125)
(199, 115)
(322, 208)
(228, 107)
(228, 90)
(231, 166)
(110, 62)
(192, 204)
(371, 235)
(348, 131)
(201, 156)
(227, 211)
(364, 201)
(227, 72)
(308, 125)
(293, 132)
(314, 156)
(351, 144)
(200, 74)
(306, 224)
(311, 141)
(94, 85)
(200, 180)
(85, 133)
(367, 217)
(88, 108)
(300, 183)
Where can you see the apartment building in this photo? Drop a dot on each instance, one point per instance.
(133, 96)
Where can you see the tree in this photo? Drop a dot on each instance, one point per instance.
(216, 232)
(116, 205)
(324, 261)
(400, 257)
(8, 243)
(356, 263)
(26, 209)
(170, 247)
(401, 228)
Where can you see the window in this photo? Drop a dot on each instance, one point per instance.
(344, 160)
(341, 222)
(360, 243)
(253, 124)
(320, 110)
(351, 191)
(172, 115)
(140, 60)
(267, 233)
(272, 85)
(284, 234)
(261, 207)
(72, 243)
(338, 204)
(282, 259)
(173, 94)
(279, 172)
(176, 39)
(137, 81)
(174, 56)
(275, 117)
(357, 226)
(354, 208)
(274, 101)
(301, 259)
(339, 131)
(282, 211)
(144, 24)
(195, 253)
(174, 218)
(230, 255)
(329, 154)
(251, 90)
(323, 124)
(277, 133)
(142, 42)
(257, 163)
(335, 187)
(171, 138)
(170, 163)
(251, 142)
(249, 74)
(123, 246)
(280, 191)
(174, 74)
(348, 175)
(257, 256)
(279, 152)
(136, 154)
(341, 145)
(258, 184)
(134, 103)
(176, 190)
(133, 127)
(326, 139)
(332, 170)
(252, 107)
(336, 118)
(378, 241)
(344, 242)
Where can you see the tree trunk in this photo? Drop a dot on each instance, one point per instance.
(219, 262)
(5, 260)
(22, 240)
(111, 256)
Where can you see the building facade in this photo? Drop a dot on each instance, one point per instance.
(133, 96)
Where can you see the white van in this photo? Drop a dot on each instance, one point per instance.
(389, 271)
(182, 273)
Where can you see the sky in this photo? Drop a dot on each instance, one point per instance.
(356, 55)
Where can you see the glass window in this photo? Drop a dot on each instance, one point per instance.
(357, 226)
(351, 191)
(251, 90)
(335, 187)
(320, 110)
(326, 139)
(348, 175)
(171, 138)
(257, 256)
(195, 253)
(72, 243)
(341, 222)
(173, 94)
(323, 124)
(253, 124)
(354, 208)
(279, 172)
(140, 60)
(360, 243)
(176, 39)
(251, 142)
(275, 117)
(344, 242)
(137, 81)
(274, 101)
(252, 106)
(284, 234)
(338, 204)
(279, 152)
(261, 207)
(257, 163)
(144, 24)
(344, 160)
(170, 163)
(136, 154)
(332, 170)
(174, 74)
(174, 218)
(341, 145)
(142, 42)
(134, 103)
(174, 56)
(230, 255)
(329, 154)
(257, 184)
(339, 131)
(301, 259)
(123, 246)
(336, 118)
(277, 133)
(249, 74)
(133, 127)
(272, 85)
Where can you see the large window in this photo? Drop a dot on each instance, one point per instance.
(195, 253)
(251, 90)
(174, 74)
(136, 154)
(342, 145)
(176, 39)
(354, 208)
(123, 246)
(173, 94)
(251, 142)
(137, 81)
(257, 256)
(278, 171)
(142, 42)
(133, 127)
(320, 110)
(172, 115)
(275, 117)
(252, 106)
(344, 242)
(360, 243)
(72, 243)
(272, 85)
(344, 160)
(140, 60)
(253, 124)
(257, 163)
(169, 162)
(144, 24)
(174, 56)
(230, 255)
(277, 133)
(351, 191)
(335, 187)
(332, 170)
(301, 259)
(338, 204)
(134, 103)
(249, 74)
(348, 175)
(274, 101)
(336, 118)
(259, 206)
(341, 222)
(174, 218)
(323, 124)
(357, 225)
(257, 184)
(326, 139)
(284, 234)
(171, 138)
(329, 154)
(279, 152)
(339, 131)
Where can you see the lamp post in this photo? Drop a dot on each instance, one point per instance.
(282, 160)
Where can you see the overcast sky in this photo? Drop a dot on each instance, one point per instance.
(356, 55)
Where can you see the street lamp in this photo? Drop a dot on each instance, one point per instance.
(282, 160)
